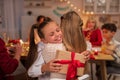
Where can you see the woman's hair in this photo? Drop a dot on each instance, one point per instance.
(91, 19)
(109, 26)
(71, 25)
(42, 25)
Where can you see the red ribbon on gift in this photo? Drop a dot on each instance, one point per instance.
(72, 66)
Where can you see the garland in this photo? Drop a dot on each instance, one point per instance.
(63, 9)
(56, 11)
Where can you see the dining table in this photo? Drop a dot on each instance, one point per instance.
(101, 58)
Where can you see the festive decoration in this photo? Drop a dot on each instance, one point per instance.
(72, 66)
(63, 9)
(14, 41)
(71, 5)
(57, 13)
(73, 63)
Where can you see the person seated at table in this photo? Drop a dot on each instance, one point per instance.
(8, 64)
(93, 35)
(111, 47)
(92, 32)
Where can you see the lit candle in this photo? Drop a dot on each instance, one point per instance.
(96, 52)
(21, 42)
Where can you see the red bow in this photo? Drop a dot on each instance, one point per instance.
(72, 67)
(14, 41)
(92, 57)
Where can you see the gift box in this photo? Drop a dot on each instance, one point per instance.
(66, 56)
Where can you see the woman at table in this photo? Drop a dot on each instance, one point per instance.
(92, 32)
(93, 35)
(7, 64)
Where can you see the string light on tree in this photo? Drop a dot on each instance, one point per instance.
(87, 13)
(71, 5)
(91, 12)
(83, 12)
(68, 2)
(75, 7)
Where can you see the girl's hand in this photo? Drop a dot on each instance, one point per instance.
(86, 55)
(52, 66)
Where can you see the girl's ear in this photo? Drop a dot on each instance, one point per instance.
(43, 40)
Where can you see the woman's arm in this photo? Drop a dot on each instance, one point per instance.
(35, 69)
(39, 66)
(7, 64)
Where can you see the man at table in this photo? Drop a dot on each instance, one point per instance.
(111, 46)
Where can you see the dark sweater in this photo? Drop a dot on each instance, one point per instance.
(7, 64)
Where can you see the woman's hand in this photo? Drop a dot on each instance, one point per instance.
(52, 66)
(86, 55)
(18, 51)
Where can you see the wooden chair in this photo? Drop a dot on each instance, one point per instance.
(112, 73)
(113, 76)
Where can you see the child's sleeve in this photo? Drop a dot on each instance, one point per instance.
(35, 69)
(117, 58)
(116, 54)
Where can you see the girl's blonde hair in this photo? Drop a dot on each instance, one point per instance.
(91, 19)
(71, 26)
